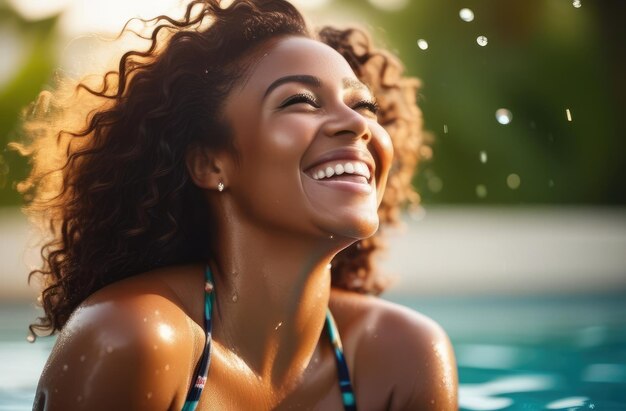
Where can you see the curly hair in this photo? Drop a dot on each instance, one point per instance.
(108, 183)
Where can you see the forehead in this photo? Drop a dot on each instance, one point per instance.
(298, 56)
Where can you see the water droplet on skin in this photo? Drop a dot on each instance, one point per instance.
(513, 181)
(466, 15)
(155, 347)
(504, 116)
(156, 312)
(577, 3)
(482, 41)
(145, 319)
(30, 338)
(65, 367)
(481, 191)
(422, 44)
(331, 236)
(483, 157)
(329, 266)
(235, 297)
(149, 395)
(167, 367)
(79, 398)
(278, 326)
(82, 358)
(109, 349)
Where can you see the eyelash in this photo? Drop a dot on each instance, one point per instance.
(369, 105)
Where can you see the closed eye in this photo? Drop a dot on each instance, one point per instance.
(369, 105)
(300, 98)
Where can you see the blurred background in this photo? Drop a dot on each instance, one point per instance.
(519, 246)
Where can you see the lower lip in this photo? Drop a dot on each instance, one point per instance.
(350, 186)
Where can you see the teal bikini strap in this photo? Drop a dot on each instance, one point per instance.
(347, 393)
(193, 396)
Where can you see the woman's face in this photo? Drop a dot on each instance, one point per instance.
(312, 157)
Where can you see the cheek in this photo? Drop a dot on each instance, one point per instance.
(382, 149)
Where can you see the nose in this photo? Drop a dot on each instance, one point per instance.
(346, 122)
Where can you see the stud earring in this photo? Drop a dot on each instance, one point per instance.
(220, 186)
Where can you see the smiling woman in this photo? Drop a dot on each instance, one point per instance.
(213, 209)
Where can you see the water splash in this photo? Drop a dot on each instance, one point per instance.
(483, 157)
(482, 41)
(504, 116)
(513, 181)
(481, 191)
(466, 15)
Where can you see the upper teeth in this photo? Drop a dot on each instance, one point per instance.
(338, 168)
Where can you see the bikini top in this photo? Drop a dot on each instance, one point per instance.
(193, 396)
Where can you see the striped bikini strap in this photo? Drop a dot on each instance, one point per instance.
(347, 393)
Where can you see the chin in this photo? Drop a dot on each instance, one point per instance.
(354, 227)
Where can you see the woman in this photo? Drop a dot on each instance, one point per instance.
(223, 180)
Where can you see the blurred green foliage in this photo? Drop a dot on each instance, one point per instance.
(542, 58)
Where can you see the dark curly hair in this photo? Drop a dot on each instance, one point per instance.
(108, 182)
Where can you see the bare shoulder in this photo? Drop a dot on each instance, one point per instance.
(396, 345)
(129, 346)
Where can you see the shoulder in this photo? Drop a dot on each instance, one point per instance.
(397, 344)
(126, 347)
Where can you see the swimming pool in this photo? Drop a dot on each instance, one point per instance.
(514, 353)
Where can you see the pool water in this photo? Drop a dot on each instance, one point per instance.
(513, 353)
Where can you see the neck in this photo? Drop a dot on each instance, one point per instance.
(272, 293)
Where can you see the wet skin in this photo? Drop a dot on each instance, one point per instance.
(135, 343)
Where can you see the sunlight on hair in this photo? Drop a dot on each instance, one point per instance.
(310, 4)
(39, 9)
(108, 17)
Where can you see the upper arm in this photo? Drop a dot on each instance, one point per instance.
(426, 373)
(111, 358)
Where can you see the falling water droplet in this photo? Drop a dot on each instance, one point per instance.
(435, 184)
(331, 236)
(551, 183)
(483, 157)
(30, 338)
(482, 41)
(513, 181)
(278, 326)
(235, 297)
(568, 114)
(466, 15)
(576, 3)
(445, 129)
(422, 44)
(504, 116)
(481, 191)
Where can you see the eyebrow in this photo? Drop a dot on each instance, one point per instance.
(315, 82)
(303, 79)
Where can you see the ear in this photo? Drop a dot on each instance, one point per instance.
(206, 168)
